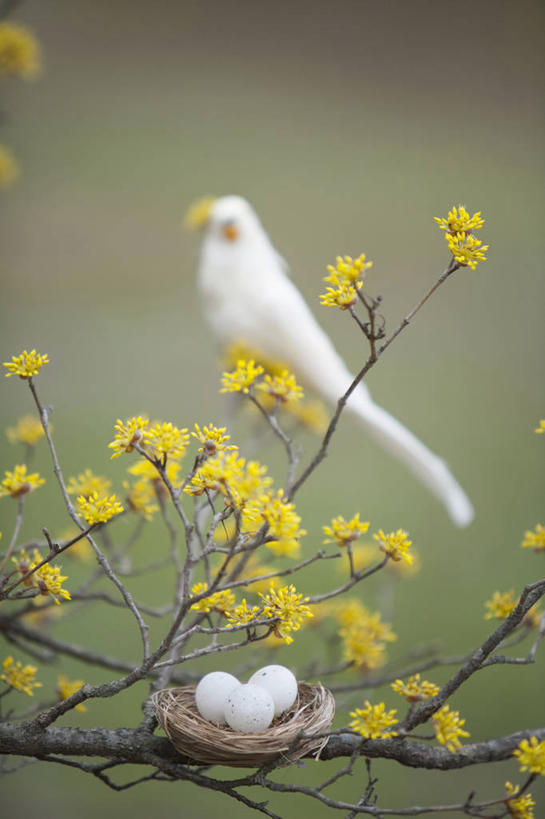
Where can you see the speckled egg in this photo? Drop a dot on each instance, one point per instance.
(280, 684)
(249, 709)
(211, 695)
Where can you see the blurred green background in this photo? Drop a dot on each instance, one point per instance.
(349, 125)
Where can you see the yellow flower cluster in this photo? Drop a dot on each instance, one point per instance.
(28, 430)
(242, 378)
(218, 601)
(535, 540)
(87, 483)
(212, 439)
(49, 582)
(19, 482)
(65, 689)
(363, 634)
(346, 278)
(448, 728)
(19, 677)
(96, 509)
(166, 439)
(287, 608)
(19, 52)
(140, 497)
(459, 221)
(540, 430)
(373, 721)
(521, 807)
(311, 414)
(344, 531)
(283, 387)
(531, 756)
(127, 434)
(221, 473)
(283, 522)
(47, 579)
(26, 365)
(9, 169)
(243, 614)
(395, 544)
(500, 605)
(415, 690)
(459, 226)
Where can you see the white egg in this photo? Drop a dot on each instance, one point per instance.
(280, 683)
(249, 709)
(211, 695)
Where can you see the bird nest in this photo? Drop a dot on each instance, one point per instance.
(288, 738)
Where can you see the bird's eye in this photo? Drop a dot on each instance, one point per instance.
(230, 230)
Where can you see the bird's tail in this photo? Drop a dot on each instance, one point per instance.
(428, 467)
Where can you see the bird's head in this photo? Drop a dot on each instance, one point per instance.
(228, 217)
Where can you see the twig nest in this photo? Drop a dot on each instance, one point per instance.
(297, 732)
(211, 695)
(249, 709)
(280, 683)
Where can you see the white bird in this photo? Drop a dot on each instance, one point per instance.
(248, 296)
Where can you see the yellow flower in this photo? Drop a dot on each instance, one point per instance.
(239, 349)
(531, 756)
(28, 430)
(343, 296)
(347, 270)
(521, 806)
(288, 607)
(373, 721)
(219, 473)
(19, 52)
(283, 523)
(466, 249)
(415, 690)
(128, 434)
(500, 605)
(344, 531)
(363, 635)
(283, 387)
(166, 439)
(18, 483)
(533, 617)
(395, 544)
(140, 497)
(18, 677)
(24, 565)
(540, 430)
(242, 614)
(87, 483)
(241, 379)
(459, 221)
(448, 728)
(218, 601)
(26, 365)
(212, 439)
(198, 212)
(49, 582)
(99, 510)
(251, 482)
(535, 540)
(9, 169)
(65, 689)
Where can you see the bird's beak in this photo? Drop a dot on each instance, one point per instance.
(198, 213)
(230, 230)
